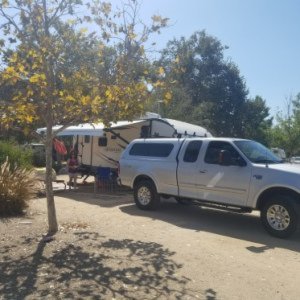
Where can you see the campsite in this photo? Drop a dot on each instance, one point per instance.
(106, 248)
(144, 148)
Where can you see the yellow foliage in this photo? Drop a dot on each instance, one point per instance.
(156, 18)
(158, 84)
(29, 119)
(9, 72)
(26, 130)
(132, 36)
(13, 58)
(168, 96)
(85, 100)
(69, 98)
(37, 78)
(83, 30)
(4, 3)
(161, 71)
(21, 68)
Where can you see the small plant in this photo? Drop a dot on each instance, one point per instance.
(17, 186)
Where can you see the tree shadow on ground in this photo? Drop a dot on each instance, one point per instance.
(241, 226)
(91, 266)
(103, 199)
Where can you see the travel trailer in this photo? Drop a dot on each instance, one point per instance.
(100, 146)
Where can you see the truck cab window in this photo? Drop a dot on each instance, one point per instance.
(214, 149)
(192, 151)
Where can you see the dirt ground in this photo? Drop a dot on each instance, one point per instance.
(107, 248)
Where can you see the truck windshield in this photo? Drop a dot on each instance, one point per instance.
(257, 153)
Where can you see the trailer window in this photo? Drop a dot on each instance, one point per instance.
(102, 141)
(87, 139)
(145, 131)
(154, 150)
(192, 151)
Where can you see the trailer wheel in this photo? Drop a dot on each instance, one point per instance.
(146, 196)
(279, 216)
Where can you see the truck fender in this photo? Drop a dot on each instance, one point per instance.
(140, 177)
(278, 189)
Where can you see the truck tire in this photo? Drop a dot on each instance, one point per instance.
(146, 196)
(279, 216)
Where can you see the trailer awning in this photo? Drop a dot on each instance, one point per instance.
(96, 129)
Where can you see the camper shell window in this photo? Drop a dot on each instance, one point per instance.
(87, 139)
(102, 141)
(192, 151)
(154, 150)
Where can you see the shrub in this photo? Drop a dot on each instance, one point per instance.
(17, 186)
(17, 155)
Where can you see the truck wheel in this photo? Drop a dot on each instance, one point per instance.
(279, 216)
(145, 195)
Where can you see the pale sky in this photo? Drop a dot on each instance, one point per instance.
(263, 38)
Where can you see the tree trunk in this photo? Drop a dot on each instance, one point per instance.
(49, 72)
(52, 221)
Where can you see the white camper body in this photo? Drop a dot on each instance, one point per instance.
(99, 146)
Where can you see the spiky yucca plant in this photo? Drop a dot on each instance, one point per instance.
(17, 186)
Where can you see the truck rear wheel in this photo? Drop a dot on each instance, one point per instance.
(279, 216)
(146, 196)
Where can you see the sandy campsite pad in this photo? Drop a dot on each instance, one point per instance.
(107, 248)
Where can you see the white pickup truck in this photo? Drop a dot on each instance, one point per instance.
(224, 173)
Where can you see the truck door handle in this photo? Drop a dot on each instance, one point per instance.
(203, 171)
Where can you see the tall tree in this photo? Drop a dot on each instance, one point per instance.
(255, 120)
(286, 133)
(214, 94)
(69, 75)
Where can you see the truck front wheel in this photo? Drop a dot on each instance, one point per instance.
(145, 195)
(279, 216)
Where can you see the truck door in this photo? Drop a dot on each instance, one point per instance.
(223, 183)
(188, 168)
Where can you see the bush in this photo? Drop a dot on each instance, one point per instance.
(17, 186)
(17, 156)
